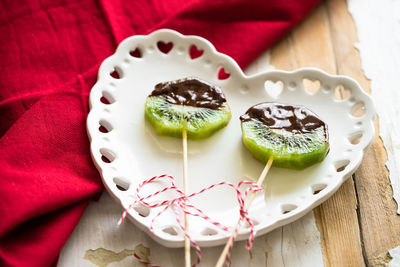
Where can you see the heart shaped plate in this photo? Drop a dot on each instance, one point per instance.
(126, 150)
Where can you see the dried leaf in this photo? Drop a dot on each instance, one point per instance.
(102, 257)
(143, 252)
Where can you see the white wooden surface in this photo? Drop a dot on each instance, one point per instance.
(378, 30)
(381, 19)
(97, 241)
(295, 244)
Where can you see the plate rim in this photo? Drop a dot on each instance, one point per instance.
(234, 69)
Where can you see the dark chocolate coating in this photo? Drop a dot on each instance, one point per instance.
(294, 119)
(190, 92)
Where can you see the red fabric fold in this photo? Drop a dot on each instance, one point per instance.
(50, 52)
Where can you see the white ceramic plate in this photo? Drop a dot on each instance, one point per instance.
(137, 153)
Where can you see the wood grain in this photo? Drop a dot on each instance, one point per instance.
(357, 225)
(379, 41)
(379, 223)
(311, 44)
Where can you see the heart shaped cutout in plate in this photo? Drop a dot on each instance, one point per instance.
(164, 47)
(134, 152)
(136, 53)
(223, 74)
(195, 52)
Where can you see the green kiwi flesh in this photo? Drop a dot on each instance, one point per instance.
(171, 119)
(294, 151)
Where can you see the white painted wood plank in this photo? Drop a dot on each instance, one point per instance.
(296, 244)
(395, 254)
(380, 57)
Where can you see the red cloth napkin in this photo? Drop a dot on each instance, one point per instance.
(49, 55)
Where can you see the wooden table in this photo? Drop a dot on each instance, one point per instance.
(355, 227)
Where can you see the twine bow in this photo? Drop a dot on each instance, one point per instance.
(181, 204)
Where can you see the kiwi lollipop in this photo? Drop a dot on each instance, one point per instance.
(284, 135)
(187, 108)
(190, 105)
(294, 136)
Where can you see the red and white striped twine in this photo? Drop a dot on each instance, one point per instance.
(181, 204)
(148, 263)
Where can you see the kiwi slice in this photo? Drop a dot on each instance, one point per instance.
(293, 135)
(187, 104)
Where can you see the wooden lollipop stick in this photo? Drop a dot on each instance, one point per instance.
(185, 182)
(260, 180)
